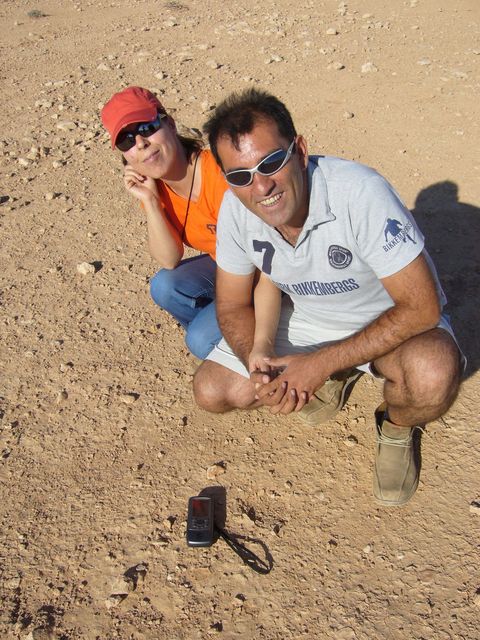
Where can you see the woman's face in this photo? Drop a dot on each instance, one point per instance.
(154, 156)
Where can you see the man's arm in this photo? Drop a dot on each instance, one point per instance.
(416, 310)
(235, 311)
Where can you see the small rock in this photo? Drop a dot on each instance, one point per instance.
(66, 125)
(160, 75)
(331, 31)
(369, 67)
(336, 66)
(367, 549)
(348, 115)
(50, 195)
(85, 268)
(424, 62)
(273, 58)
(351, 441)
(249, 440)
(56, 164)
(129, 398)
(61, 397)
(42, 633)
(103, 67)
(213, 64)
(476, 598)
(215, 470)
(475, 507)
(23, 162)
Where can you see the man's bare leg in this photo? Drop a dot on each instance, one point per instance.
(218, 389)
(422, 377)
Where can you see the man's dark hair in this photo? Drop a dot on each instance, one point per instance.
(240, 112)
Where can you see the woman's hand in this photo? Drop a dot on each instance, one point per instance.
(141, 187)
(256, 358)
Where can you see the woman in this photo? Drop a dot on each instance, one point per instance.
(180, 188)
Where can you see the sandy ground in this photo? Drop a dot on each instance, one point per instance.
(101, 442)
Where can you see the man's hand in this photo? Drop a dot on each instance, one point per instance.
(141, 187)
(290, 391)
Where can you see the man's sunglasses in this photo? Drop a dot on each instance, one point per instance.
(267, 167)
(126, 139)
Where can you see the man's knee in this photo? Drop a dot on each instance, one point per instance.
(431, 370)
(208, 390)
(218, 389)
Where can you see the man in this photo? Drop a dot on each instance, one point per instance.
(335, 236)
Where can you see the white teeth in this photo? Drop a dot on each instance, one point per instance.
(272, 200)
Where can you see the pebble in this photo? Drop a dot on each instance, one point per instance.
(249, 440)
(41, 633)
(23, 162)
(66, 125)
(331, 32)
(351, 441)
(61, 397)
(56, 164)
(348, 115)
(213, 64)
(475, 507)
(426, 576)
(85, 268)
(273, 58)
(369, 67)
(50, 195)
(215, 470)
(103, 67)
(160, 75)
(336, 66)
(346, 633)
(476, 599)
(424, 62)
(368, 548)
(129, 398)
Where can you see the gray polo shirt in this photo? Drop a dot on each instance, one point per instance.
(357, 232)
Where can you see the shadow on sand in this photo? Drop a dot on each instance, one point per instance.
(452, 231)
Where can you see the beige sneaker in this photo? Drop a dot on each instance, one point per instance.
(397, 461)
(330, 398)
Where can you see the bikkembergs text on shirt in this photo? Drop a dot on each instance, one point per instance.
(315, 288)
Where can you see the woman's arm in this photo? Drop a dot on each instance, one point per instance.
(164, 242)
(267, 301)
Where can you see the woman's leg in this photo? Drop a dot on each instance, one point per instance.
(203, 333)
(187, 292)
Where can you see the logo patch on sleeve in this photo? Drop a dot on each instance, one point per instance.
(339, 257)
(397, 233)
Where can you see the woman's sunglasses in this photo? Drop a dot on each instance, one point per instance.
(267, 167)
(126, 139)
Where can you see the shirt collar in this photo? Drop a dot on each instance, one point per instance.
(319, 210)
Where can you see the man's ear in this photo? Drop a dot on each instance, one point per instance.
(302, 151)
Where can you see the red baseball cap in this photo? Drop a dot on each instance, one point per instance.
(133, 104)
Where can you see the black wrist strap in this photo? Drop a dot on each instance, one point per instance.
(249, 558)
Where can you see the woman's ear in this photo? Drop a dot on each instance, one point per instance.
(171, 123)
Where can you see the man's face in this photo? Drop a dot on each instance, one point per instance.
(279, 199)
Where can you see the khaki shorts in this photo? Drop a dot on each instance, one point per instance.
(296, 335)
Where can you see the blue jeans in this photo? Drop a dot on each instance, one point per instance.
(188, 294)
